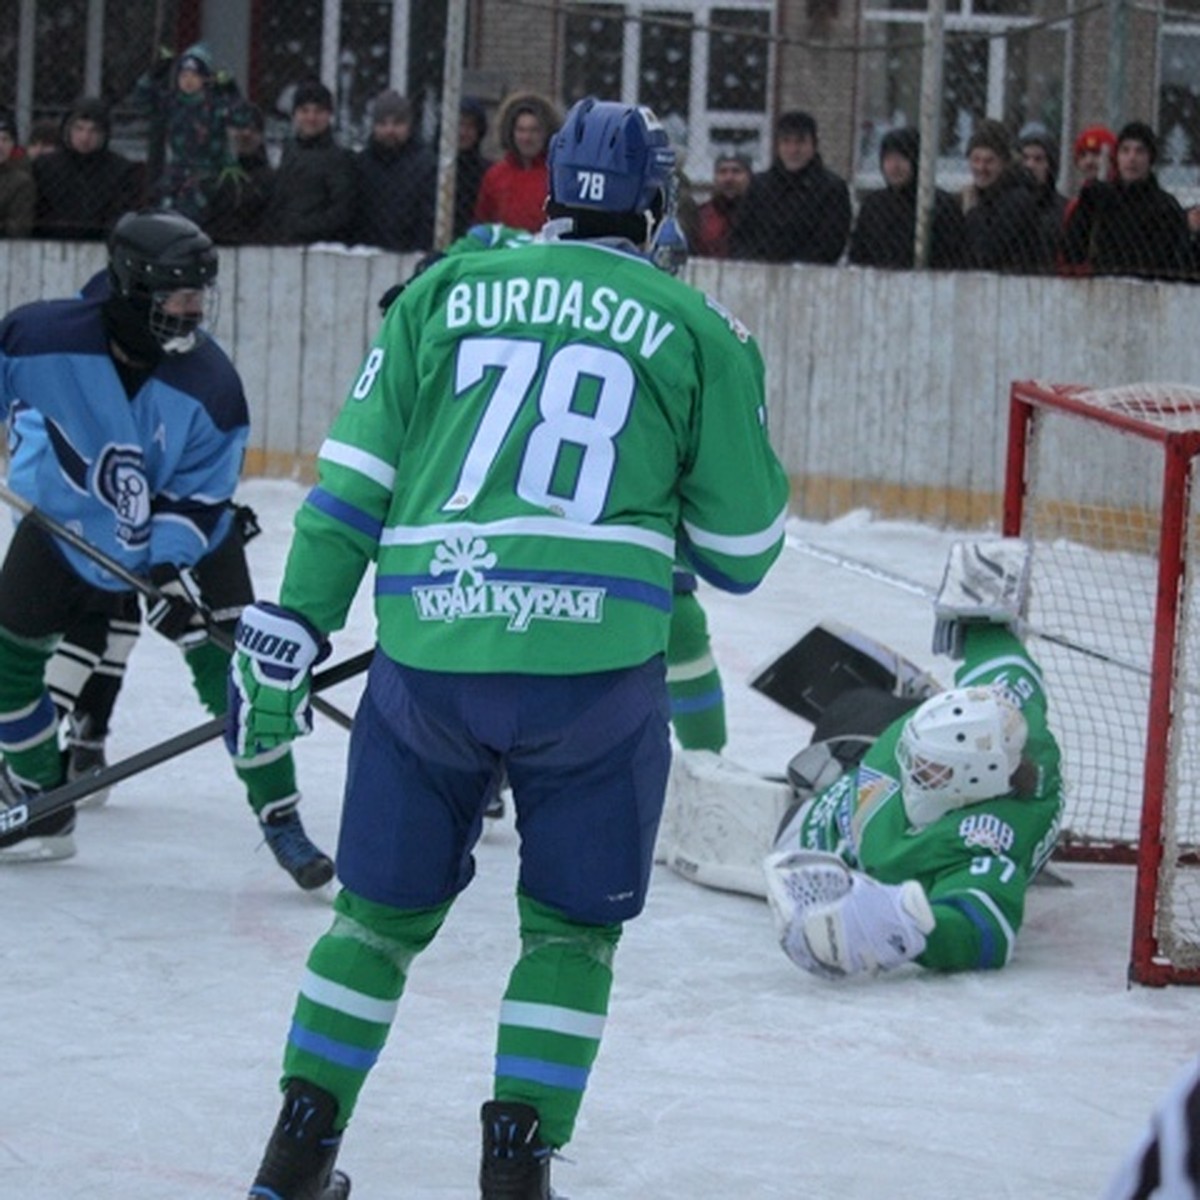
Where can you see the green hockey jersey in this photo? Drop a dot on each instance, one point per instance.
(532, 437)
(974, 863)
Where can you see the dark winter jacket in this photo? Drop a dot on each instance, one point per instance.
(314, 192)
(240, 201)
(80, 196)
(885, 231)
(1129, 229)
(470, 168)
(1002, 226)
(794, 216)
(18, 199)
(395, 194)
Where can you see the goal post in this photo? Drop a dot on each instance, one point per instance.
(1100, 483)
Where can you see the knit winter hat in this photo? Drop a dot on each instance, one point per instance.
(391, 105)
(470, 107)
(735, 156)
(1096, 137)
(312, 91)
(992, 135)
(197, 58)
(1139, 131)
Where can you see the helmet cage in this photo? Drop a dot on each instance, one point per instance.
(958, 748)
(610, 157)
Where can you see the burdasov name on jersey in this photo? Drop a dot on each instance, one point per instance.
(520, 603)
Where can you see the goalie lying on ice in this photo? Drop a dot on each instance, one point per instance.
(912, 825)
(924, 850)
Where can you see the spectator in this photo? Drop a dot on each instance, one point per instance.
(43, 139)
(313, 200)
(192, 107)
(471, 166)
(244, 190)
(1095, 158)
(884, 234)
(513, 190)
(796, 210)
(17, 194)
(83, 187)
(396, 188)
(716, 217)
(1001, 214)
(1130, 226)
(1039, 156)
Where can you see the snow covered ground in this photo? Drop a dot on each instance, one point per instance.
(148, 984)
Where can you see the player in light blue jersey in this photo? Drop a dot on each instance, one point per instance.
(127, 424)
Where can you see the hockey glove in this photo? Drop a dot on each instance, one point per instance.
(873, 927)
(270, 679)
(984, 583)
(800, 882)
(176, 611)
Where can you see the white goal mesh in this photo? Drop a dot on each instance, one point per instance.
(1100, 485)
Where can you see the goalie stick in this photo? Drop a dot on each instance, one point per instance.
(45, 804)
(900, 582)
(56, 529)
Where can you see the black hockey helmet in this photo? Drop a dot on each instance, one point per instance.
(152, 252)
(150, 256)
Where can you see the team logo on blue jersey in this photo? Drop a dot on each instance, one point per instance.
(469, 593)
(120, 482)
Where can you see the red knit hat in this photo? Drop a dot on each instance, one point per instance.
(1096, 137)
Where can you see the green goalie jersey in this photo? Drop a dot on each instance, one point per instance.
(531, 438)
(974, 863)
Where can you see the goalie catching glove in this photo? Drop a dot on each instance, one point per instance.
(835, 922)
(984, 583)
(270, 679)
(177, 611)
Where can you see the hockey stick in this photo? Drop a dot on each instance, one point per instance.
(883, 575)
(56, 529)
(45, 804)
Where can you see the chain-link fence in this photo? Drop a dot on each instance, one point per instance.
(319, 122)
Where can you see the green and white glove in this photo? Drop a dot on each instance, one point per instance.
(984, 583)
(270, 679)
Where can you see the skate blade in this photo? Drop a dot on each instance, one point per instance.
(39, 849)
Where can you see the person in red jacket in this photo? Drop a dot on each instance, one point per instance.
(716, 216)
(513, 190)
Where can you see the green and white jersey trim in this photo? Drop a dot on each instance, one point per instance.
(369, 465)
(743, 546)
(541, 527)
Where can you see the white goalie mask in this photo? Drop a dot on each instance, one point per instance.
(958, 748)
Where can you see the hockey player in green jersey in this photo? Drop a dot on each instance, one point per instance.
(532, 440)
(924, 851)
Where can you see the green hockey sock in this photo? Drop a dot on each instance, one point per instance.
(694, 683)
(351, 988)
(553, 1015)
(28, 720)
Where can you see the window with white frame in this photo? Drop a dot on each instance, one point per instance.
(705, 69)
(1002, 61)
(1179, 97)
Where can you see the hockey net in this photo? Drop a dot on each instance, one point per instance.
(1100, 484)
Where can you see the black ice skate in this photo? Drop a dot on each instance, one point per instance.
(516, 1162)
(39, 841)
(298, 1163)
(85, 755)
(308, 866)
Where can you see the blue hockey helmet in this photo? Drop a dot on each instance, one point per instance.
(610, 157)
